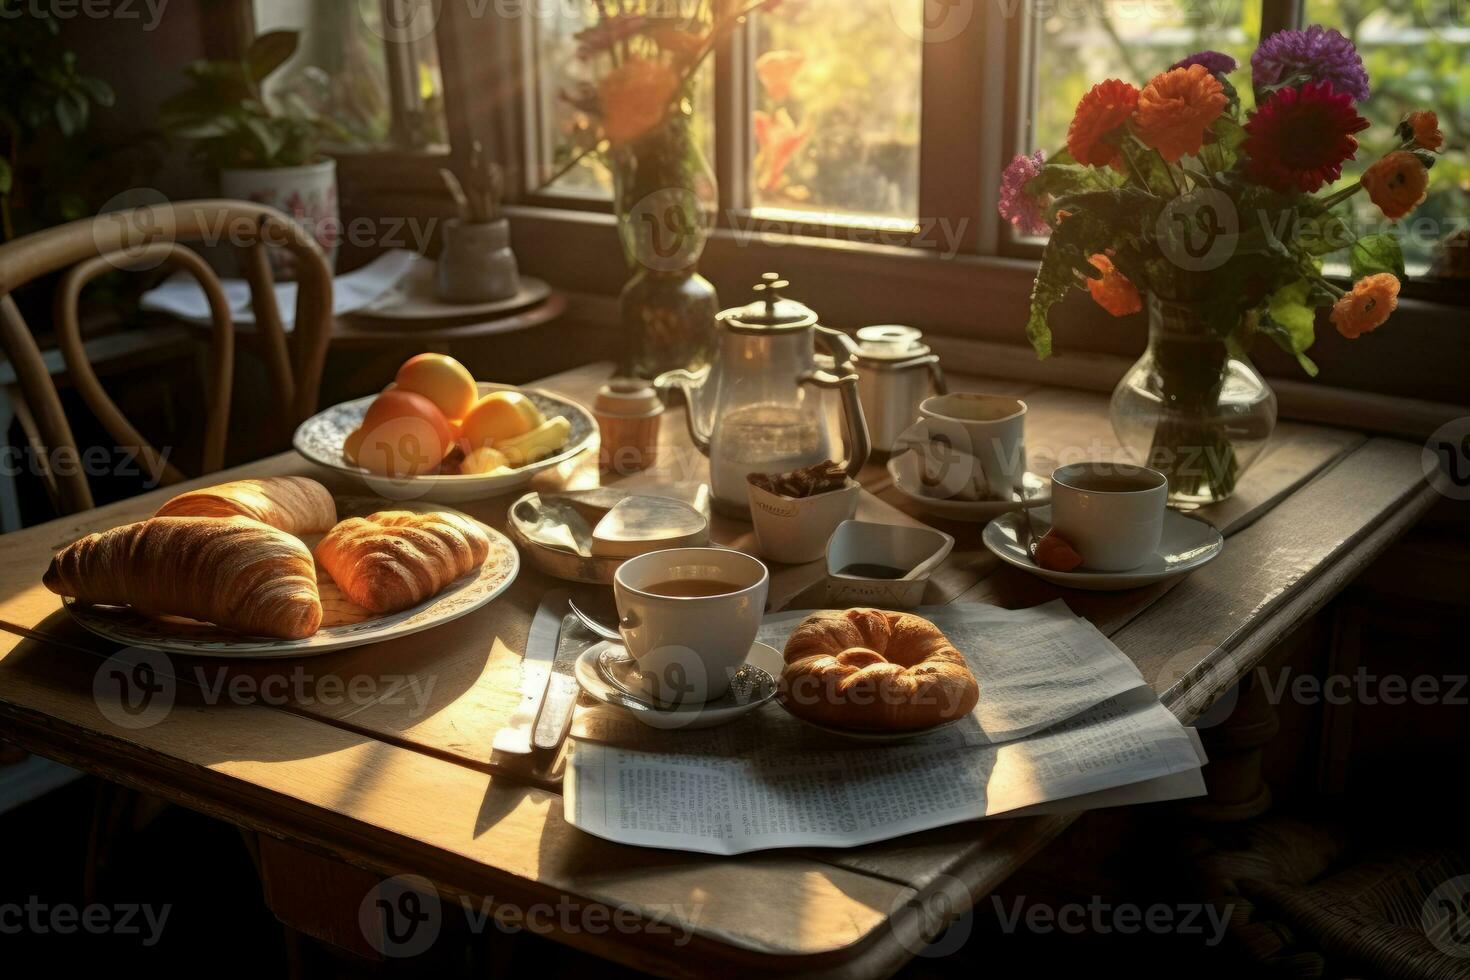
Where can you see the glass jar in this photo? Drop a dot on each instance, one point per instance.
(1191, 408)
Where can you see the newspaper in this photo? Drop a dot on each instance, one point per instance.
(1064, 719)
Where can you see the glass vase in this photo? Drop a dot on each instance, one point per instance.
(1192, 409)
(664, 197)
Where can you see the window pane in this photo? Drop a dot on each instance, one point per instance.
(345, 72)
(836, 119)
(1081, 44)
(1418, 57)
(565, 131)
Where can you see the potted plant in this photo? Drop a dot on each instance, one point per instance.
(1179, 199)
(476, 264)
(263, 153)
(48, 102)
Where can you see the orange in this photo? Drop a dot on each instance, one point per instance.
(442, 380)
(403, 434)
(498, 416)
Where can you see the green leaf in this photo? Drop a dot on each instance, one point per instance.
(1291, 321)
(269, 52)
(98, 91)
(1322, 233)
(1058, 179)
(1373, 254)
(7, 177)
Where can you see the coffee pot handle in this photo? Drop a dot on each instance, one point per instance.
(858, 444)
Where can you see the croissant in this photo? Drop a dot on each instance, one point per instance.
(293, 504)
(395, 559)
(235, 573)
(872, 670)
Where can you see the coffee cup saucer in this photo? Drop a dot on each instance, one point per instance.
(608, 674)
(1187, 543)
(904, 470)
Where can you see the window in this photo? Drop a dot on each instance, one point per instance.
(1079, 45)
(380, 87)
(836, 111)
(1417, 56)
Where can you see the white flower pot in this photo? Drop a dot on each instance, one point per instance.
(307, 193)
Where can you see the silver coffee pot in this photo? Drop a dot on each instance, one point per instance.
(759, 407)
(896, 371)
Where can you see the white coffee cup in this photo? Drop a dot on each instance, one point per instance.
(1112, 514)
(689, 647)
(984, 431)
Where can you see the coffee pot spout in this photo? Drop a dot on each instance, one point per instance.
(690, 385)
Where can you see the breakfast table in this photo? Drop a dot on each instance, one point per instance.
(340, 791)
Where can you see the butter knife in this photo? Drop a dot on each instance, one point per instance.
(561, 692)
(541, 642)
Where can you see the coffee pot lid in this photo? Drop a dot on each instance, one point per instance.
(770, 311)
(889, 342)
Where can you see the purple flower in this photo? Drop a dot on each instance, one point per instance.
(1320, 54)
(1016, 206)
(1217, 62)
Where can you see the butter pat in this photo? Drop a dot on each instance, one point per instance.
(640, 524)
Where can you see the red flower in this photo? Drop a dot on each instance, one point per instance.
(1298, 139)
(1100, 115)
(1113, 292)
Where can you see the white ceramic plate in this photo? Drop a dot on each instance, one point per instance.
(123, 625)
(414, 300)
(320, 439)
(861, 736)
(718, 712)
(1187, 544)
(904, 468)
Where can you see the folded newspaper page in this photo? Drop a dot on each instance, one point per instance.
(1065, 722)
(721, 804)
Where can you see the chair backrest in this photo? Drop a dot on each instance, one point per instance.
(143, 239)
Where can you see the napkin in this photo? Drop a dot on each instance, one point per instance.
(180, 295)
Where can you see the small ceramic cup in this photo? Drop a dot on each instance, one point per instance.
(1112, 514)
(476, 264)
(689, 647)
(991, 429)
(794, 530)
(628, 413)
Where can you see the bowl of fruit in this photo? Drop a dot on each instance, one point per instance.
(437, 434)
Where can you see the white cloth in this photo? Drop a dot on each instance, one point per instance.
(180, 295)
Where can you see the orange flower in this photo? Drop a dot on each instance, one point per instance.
(1397, 184)
(1423, 126)
(1175, 109)
(634, 97)
(1367, 305)
(777, 139)
(683, 45)
(1100, 114)
(776, 69)
(1113, 292)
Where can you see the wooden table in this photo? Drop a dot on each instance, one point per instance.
(342, 793)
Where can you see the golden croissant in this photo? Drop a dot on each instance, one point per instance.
(236, 573)
(294, 504)
(395, 559)
(876, 671)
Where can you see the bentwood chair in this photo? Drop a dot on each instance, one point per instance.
(144, 239)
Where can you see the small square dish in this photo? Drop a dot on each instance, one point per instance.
(883, 565)
(795, 530)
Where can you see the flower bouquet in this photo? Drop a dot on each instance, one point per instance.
(636, 114)
(1178, 196)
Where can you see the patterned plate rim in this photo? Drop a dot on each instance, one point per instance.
(442, 479)
(400, 624)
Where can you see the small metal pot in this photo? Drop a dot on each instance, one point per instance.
(895, 373)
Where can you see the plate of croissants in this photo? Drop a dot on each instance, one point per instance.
(278, 567)
(438, 434)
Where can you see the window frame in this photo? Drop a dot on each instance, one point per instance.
(972, 93)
